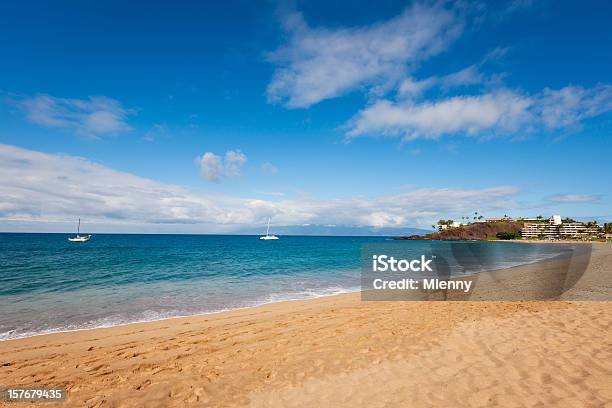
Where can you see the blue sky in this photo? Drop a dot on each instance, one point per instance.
(210, 117)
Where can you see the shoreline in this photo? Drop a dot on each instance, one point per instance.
(516, 241)
(556, 242)
(343, 352)
(216, 312)
(505, 270)
(49, 333)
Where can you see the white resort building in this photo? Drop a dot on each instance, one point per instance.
(555, 228)
(454, 224)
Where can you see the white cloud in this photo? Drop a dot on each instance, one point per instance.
(571, 105)
(499, 112)
(320, 63)
(211, 166)
(42, 188)
(95, 116)
(503, 111)
(215, 168)
(234, 159)
(467, 76)
(411, 88)
(573, 198)
(269, 168)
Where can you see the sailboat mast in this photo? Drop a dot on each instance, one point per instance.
(79, 227)
(268, 229)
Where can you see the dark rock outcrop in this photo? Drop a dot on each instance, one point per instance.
(477, 231)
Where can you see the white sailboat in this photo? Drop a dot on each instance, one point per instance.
(268, 236)
(79, 237)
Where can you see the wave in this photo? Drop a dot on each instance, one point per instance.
(153, 316)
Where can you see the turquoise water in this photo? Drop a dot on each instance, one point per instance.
(48, 284)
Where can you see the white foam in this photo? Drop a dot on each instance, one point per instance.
(273, 298)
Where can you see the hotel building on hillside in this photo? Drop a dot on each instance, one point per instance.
(571, 229)
(555, 228)
(536, 228)
(533, 230)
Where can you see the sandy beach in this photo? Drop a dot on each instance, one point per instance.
(339, 351)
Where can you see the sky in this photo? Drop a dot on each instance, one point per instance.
(210, 117)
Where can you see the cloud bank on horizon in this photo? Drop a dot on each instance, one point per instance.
(49, 188)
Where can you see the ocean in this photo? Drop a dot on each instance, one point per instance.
(48, 284)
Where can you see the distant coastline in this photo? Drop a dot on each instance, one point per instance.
(537, 229)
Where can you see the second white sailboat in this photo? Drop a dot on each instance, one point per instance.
(268, 236)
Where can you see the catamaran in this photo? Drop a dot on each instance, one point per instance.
(268, 236)
(79, 237)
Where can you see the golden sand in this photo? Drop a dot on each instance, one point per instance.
(341, 352)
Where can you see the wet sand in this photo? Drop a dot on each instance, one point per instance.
(339, 351)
